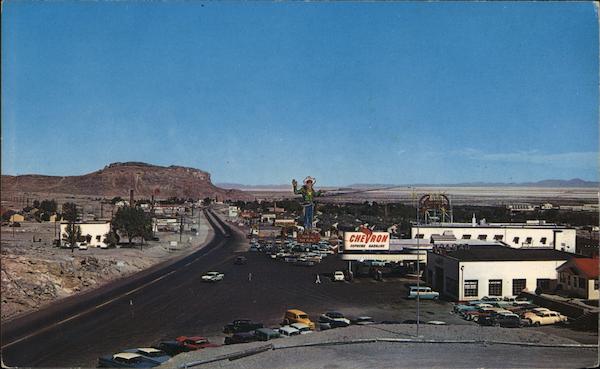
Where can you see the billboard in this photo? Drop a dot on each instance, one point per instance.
(366, 240)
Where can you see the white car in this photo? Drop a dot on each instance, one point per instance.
(338, 276)
(213, 277)
(301, 327)
(82, 246)
(544, 318)
(288, 331)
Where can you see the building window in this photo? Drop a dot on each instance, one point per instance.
(569, 280)
(543, 240)
(482, 237)
(419, 235)
(528, 240)
(516, 240)
(595, 284)
(98, 238)
(495, 287)
(466, 237)
(471, 288)
(498, 237)
(582, 282)
(563, 279)
(543, 283)
(518, 286)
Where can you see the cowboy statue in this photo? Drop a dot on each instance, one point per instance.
(308, 194)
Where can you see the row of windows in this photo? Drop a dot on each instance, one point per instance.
(575, 281)
(471, 286)
(500, 237)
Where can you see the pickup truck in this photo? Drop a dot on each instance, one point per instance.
(241, 325)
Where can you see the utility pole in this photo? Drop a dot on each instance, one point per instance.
(180, 227)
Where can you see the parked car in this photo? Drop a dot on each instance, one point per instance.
(241, 325)
(240, 337)
(82, 246)
(362, 320)
(334, 316)
(151, 353)
(126, 360)
(544, 318)
(266, 334)
(301, 327)
(508, 320)
(338, 276)
(213, 277)
(240, 260)
(172, 348)
(297, 316)
(424, 293)
(195, 342)
(288, 331)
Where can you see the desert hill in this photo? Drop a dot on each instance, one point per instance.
(117, 179)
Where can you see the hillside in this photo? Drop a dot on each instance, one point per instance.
(118, 178)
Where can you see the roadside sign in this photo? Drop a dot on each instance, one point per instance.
(308, 237)
(366, 241)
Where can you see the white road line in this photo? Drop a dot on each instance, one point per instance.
(102, 304)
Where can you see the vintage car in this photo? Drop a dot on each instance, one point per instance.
(151, 353)
(334, 319)
(301, 327)
(126, 360)
(172, 348)
(338, 276)
(288, 331)
(266, 334)
(241, 337)
(213, 277)
(241, 325)
(297, 316)
(424, 293)
(195, 342)
(508, 320)
(537, 318)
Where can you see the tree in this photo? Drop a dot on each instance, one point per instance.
(116, 199)
(111, 238)
(36, 204)
(69, 212)
(206, 201)
(133, 222)
(48, 207)
(72, 235)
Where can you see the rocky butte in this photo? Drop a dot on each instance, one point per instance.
(117, 179)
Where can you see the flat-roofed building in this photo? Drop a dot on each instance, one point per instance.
(471, 272)
(532, 234)
(93, 232)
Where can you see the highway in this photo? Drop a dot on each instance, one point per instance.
(171, 301)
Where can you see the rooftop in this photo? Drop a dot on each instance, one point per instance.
(494, 225)
(505, 253)
(586, 266)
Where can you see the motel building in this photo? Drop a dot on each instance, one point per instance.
(532, 234)
(470, 272)
(95, 231)
(578, 277)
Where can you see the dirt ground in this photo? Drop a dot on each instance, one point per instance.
(35, 274)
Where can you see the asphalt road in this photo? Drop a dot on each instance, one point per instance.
(172, 301)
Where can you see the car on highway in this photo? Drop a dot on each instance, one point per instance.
(195, 342)
(424, 293)
(213, 277)
(537, 318)
(338, 276)
(151, 353)
(126, 360)
(241, 325)
(240, 260)
(297, 316)
(240, 337)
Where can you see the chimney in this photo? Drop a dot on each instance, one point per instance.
(473, 221)
(131, 198)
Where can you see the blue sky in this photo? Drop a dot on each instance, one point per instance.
(259, 93)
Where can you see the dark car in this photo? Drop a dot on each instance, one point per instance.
(172, 348)
(126, 360)
(195, 342)
(241, 337)
(241, 325)
(240, 260)
(509, 321)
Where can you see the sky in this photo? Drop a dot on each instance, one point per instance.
(260, 93)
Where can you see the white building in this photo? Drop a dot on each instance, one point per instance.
(404, 251)
(95, 232)
(519, 235)
(470, 273)
(233, 211)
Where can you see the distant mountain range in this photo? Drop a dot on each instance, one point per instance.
(550, 183)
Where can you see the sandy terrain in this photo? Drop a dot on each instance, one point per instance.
(37, 273)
